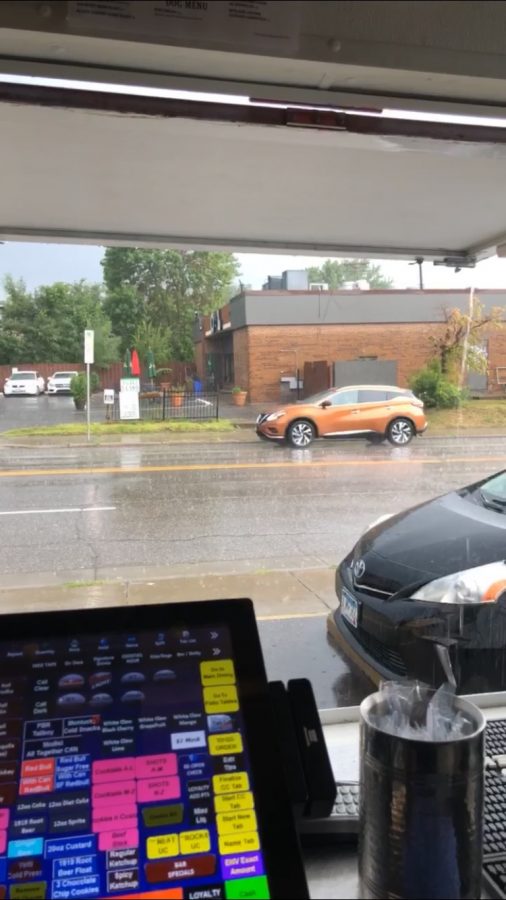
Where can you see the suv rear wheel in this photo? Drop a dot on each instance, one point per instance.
(301, 433)
(400, 432)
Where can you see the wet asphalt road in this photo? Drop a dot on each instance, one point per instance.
(197, 505)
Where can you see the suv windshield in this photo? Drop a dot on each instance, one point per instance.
(25, 376)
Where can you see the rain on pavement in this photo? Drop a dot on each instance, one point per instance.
(196, 509)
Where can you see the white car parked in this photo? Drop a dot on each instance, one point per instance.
(26, 382)
(59, 382)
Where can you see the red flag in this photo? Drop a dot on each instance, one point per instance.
(135, 364)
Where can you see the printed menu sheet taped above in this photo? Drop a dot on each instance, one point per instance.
(261, 25)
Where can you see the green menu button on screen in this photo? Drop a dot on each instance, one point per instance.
(247, 889)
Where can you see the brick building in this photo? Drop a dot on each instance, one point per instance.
(261, 338)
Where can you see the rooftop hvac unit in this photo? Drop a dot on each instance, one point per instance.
(360, 285)
(318, 286)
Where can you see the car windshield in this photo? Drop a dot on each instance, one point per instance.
(62, 375)
(22, 376)
(495, 490)
(317, 398)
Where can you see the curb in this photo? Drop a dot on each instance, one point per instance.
(217, 438)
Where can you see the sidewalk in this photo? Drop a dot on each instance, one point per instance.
(244, 434)
(279, 594)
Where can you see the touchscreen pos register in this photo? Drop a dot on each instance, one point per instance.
(138, 758)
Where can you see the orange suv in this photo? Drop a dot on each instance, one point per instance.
(380, 412)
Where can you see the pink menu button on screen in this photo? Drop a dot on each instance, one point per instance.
(156, 766)
(153, 789)
(113, 817)
(119, 792)
(118, 840)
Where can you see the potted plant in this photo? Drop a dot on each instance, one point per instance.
(177, 394)
(78, 388)
(239, 396)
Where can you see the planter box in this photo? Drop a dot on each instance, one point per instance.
(239, 398)
(150, 395)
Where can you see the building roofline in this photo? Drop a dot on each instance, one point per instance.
(353, 292)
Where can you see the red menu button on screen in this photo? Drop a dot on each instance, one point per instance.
(182, 867)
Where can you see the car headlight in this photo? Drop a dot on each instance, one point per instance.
(277, 415)
(376, 523)
(485, 584)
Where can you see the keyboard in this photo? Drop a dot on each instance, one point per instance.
(342, 824)
(494, 825)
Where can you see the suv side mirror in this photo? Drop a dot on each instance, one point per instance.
(325, 404)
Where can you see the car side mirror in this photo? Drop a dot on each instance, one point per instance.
(325, 404)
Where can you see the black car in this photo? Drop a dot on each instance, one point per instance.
(423, 593)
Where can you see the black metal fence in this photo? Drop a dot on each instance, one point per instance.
(160, 406)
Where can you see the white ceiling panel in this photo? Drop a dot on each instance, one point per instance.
(107, 177)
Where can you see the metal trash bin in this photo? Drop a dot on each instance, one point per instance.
(421, 810)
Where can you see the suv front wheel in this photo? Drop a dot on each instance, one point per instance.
(301, 433)
(400, 432)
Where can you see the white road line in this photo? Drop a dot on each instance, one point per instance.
(46, 512)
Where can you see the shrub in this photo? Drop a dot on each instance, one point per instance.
(430, 386)
(78, 385)
(448, 396)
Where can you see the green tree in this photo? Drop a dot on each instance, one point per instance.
(459, 345)
(48, 324)
(125, 309)
(172, 286)
(17, 333)
(336, 272)
(153, 337)
(106, 343)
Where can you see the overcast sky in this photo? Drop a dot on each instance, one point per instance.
(40, 264)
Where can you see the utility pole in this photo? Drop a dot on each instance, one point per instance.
(89, 356)
(419, 263)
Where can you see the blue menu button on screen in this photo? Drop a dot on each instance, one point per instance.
(31, 847)
(71, 846)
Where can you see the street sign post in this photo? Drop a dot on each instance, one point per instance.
(89, 359)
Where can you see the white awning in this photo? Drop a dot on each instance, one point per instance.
(185, 177)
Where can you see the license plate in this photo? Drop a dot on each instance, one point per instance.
(349, 608)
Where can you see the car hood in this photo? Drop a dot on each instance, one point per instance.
(438, 538)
